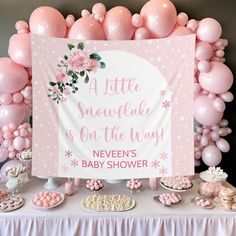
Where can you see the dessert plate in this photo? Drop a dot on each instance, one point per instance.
(82, 203)
(62, 196)
(157, 198)
(205, 207)
(175, 190)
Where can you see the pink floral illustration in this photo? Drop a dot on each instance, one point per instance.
(155, 164)
(78, 61)
(166, 104)
(74, 66)
(68, 153)
(163, 156)
(61, 77)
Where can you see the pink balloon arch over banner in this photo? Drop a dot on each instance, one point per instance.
(157, 19)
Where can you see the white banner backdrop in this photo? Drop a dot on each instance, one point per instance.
(113, 109)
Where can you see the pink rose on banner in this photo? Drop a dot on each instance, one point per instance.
(78, 64)
(93, 65)
(79, 61)
(61, 76)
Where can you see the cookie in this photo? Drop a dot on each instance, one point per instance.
(11, 203)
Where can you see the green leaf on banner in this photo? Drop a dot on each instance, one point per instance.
(95, 56)
(81, 46)
(52, 83)
(86, 80)
(102, 64)
(70, 46)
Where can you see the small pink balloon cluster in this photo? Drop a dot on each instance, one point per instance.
(208, 143)
(157, 19)
(14, 140)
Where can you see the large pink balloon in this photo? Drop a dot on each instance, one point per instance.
(86, 28)
(211, 156)
(47, 21)
(159, 17)
(218, 80)
(204, 111)
(9, 165)
(180, 30)
(13, 77)
(20, 50)
(209, 30)
(14, 113)
(118, 24)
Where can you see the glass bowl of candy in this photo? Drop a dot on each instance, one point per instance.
(134, 185)
(209, 189)
(212, 181)
(94, 184)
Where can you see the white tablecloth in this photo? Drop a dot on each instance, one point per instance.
(147, 218)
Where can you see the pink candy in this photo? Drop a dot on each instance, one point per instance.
(134, 184)
(46, 199)
(210, 189)
(202, 202)
(94, 184)
(170, 198)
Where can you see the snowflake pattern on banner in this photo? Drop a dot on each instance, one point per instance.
(155, 164)
(68, 153)
(163, 155)
(166, 104)
(163, 170)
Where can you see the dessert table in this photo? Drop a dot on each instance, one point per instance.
(146, 218)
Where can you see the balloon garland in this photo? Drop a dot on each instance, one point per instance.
(157, 19)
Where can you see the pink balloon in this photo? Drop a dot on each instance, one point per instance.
(20, 49)
(9, 165)
(6, 99)
(117, 24)
(204, 140)
(17, 98)
(227, 97)
(19, 143)
(204, 112)
(137, 20)
(223, 145)
(86, 28)
(218, 80)
(192, 25)
(47, 21)
(203, 51)
(14, 113)
(209, 30)
(204, 66)
(159, 17)
(70, 20)
(13, 77)
(141, 33)
(182, 19)
(99, 8)
(3, 154)
(211, 156)
(180, 30)
(219, 104)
